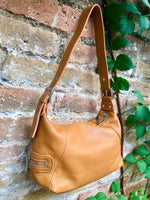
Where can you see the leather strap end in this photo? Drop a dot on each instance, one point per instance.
(36, 119)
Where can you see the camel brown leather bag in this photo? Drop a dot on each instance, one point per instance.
(65, 157)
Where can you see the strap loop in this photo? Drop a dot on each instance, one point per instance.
(52, 90)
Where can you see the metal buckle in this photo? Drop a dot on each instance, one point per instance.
(51, 93)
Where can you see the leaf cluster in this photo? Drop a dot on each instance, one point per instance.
(120, 18)
(141, 121)
(115, 188)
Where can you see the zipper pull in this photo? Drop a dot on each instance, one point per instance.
(102, 118)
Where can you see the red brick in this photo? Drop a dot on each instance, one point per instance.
(104, 188)
(87, 81)
(134, 186)
(50, 13)
(138, 50)
(68, 120)
(15, 127)
(84, 54)
(12, 152)
(141, 86)
(89, 193)
(12, 99)
(75, 103)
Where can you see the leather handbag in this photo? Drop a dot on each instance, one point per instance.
(66, 157)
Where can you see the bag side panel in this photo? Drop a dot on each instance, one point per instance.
(49, 144)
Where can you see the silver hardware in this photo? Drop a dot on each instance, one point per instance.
(38, 162)
(104, 79)
(102, 118)
(51, 93)
(109, 106)
(103, 105)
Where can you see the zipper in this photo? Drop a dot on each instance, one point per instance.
(104, 116)
(41, 163)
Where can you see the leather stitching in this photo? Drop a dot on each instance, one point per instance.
(54, 172)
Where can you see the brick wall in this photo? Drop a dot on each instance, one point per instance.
(33, 35)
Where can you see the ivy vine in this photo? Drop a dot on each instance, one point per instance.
(119, 19)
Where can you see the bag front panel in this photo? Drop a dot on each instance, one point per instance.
(84, 152)
(92, 152)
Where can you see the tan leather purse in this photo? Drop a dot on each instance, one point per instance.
(65, 157)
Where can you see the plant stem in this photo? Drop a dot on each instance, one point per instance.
(119, 108)
(146, 187)
(146, 15)
(133, 109)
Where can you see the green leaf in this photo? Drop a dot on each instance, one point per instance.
(144, 197)
(149, 128)
(146, 3)
(126, 26)
(123, 63)
(121, 197)
(140, 131)
(135, 198)
(130, 7)
(141, 166)
(115, 86)
(101, 196)
(148, 143)
(143, 23)
(147, 172)
(120, 84)
(141, 150)
(119, 42)
(115, 186)
(106, 40)
(110, 63)
(141, 191)
(131, 120)
(147, 160)
(130, 158)
(142, 112)
(113, 12)
(133, 193)
(139, 96)
(97, 70)
(91, 198)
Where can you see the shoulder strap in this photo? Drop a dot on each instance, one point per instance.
(96, 13)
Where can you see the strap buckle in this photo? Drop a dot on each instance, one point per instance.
(51, 92)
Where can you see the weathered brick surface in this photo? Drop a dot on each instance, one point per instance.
(50, 13)
(142, 70)
(12, 152)
(84, 54)
(84, 80)
(18, 99)
(138, 50)
(139, 85)
(23, 70)
(2, 56)
(15, 127)
(75, 103)
(135, 186)
(29, 56)
(21, 36)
